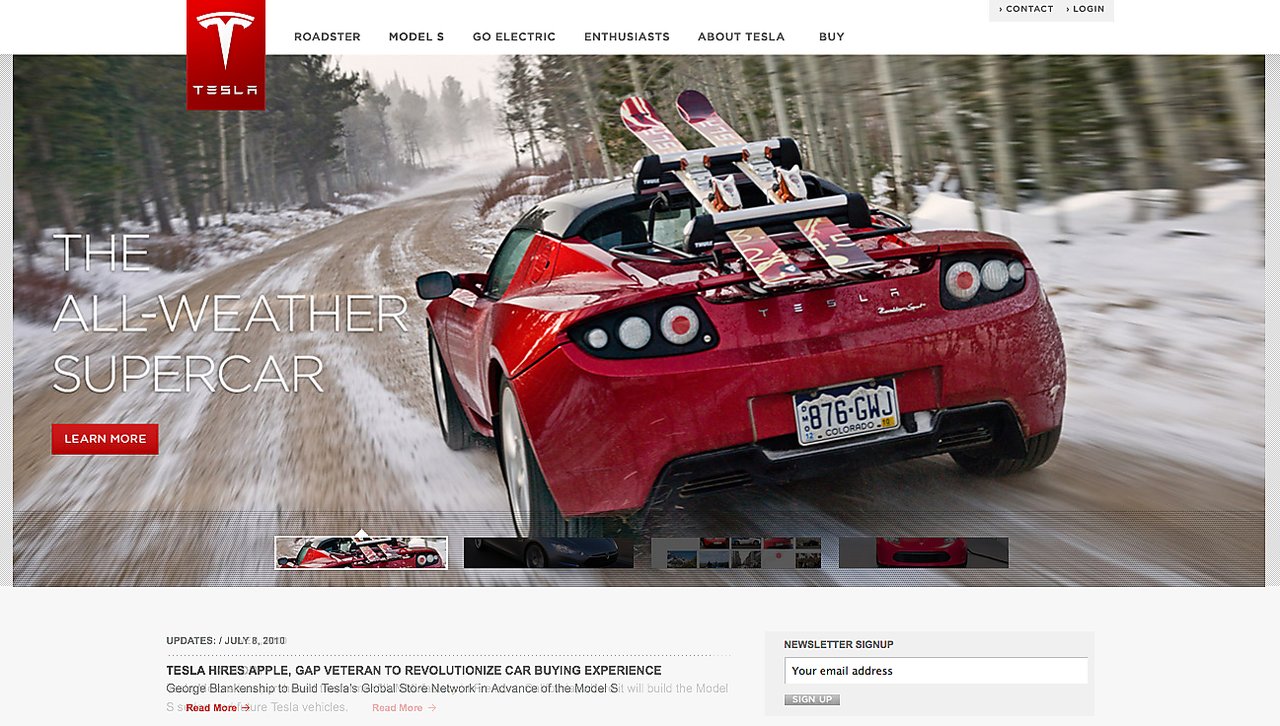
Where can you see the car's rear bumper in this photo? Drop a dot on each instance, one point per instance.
(781, 459)
(607, 432)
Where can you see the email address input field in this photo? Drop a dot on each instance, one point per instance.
(841, 671)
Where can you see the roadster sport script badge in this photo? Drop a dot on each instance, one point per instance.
(882, 310)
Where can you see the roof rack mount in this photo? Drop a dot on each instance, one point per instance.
(654, 172)
(702, 237)
(703, 230)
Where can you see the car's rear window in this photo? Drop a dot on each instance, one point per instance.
(629, 226)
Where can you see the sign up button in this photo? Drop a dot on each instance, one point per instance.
(106, 439)
(812, 699)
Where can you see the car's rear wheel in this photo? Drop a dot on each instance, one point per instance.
(990, 463)
(534, 556)
(534, 512)
(454, 426)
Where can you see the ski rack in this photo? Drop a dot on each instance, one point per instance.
(702, 230)
(655, 172)
(701, 247)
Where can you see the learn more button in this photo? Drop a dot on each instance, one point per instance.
(106, 439)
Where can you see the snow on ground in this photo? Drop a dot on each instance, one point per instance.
(1162, 320)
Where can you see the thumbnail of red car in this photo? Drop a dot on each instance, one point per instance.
(921, 552)
(349, 552)
(624, 345)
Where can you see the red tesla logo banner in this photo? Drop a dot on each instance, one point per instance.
(226, 55)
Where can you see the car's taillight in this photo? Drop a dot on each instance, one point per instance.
(682, 327)
(975, 279)
(995, 275)
(634, 332)
(679, 324)
(963, 281)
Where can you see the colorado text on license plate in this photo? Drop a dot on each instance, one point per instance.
(844, 411)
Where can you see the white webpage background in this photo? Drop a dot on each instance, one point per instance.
(1163, 654)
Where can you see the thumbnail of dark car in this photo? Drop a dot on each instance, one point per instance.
(921, 552)
(350, 552)
(540, 552)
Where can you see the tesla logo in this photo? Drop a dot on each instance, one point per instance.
(795, 308)
(217, 78)
(226, 23)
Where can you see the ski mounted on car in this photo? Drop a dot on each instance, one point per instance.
(762, 255)
(673, 166)
(780, 185)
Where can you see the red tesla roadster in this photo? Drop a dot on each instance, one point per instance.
(623, 349)
(921, 552)
(359, 553)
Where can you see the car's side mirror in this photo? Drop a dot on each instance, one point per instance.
(435, 285)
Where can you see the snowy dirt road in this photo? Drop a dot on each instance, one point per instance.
(236, 470)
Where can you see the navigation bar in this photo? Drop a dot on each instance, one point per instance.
(932, 27)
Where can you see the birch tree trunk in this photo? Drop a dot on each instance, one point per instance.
(570, 152)
(1137, 177)
(637, 80)
(889, 97)
(62, 199)
(1246, 112)
(959, 138)
(853, 129)
(1050, 188)
(593, 116)
(1153, 73)
(200, 181)
(224, 177)
(742, 90)
(28, 225)
(246, 194)
(818, 99)
(732, 113)
(153, 165)
(774, 75)
(1002, 134)
(812, 145)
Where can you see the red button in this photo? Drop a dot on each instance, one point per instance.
(106, 439)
